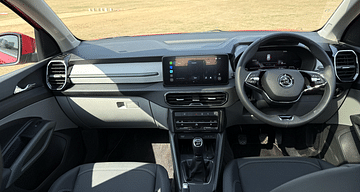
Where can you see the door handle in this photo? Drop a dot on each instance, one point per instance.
(27, 87)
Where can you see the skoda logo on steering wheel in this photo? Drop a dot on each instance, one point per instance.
(286, 81)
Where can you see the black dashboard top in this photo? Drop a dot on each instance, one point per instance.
(158, 46)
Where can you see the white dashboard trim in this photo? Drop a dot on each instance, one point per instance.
(148, 72)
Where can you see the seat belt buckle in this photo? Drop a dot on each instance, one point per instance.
(185, 187)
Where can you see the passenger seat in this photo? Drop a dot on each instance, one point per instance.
(114, 176)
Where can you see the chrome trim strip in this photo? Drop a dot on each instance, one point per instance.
(286, 119)
(115, 75)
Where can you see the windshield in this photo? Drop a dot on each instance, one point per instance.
(92, 19)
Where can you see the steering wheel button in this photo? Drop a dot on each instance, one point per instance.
(254, 78)
(317, 79)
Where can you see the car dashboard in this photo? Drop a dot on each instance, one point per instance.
(185, 85)
(107, 81)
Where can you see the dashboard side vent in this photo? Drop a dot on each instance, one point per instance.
(56, 75)
(346, 65)
(196, 99)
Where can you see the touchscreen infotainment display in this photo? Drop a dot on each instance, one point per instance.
(196, 70)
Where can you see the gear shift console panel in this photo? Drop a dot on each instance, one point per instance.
(197, 165)
(196, 169)
(197, 138)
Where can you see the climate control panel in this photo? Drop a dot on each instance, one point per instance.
(197, 120)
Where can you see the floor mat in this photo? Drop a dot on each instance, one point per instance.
(141, 145)
(162, 152)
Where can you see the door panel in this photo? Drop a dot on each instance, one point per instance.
(24, 147)
(349, 107)
(38, 101)
(27, 121)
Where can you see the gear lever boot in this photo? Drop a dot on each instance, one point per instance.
(198, 171)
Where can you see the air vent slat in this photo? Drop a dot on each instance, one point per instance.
(57, 82)
(56, 75)
(346, 65)
(186, 99)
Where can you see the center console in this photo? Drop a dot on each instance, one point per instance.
(197, 140)
(196, 121)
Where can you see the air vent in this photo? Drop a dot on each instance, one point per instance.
(56, 75)
(346, 65)
(196, 99)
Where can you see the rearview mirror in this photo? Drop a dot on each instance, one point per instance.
(16, 48)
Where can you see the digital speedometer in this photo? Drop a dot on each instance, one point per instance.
(274, 59)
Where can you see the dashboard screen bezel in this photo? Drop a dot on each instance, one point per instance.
(223, 69)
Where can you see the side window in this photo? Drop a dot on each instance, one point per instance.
(17, 42)
(351, 35)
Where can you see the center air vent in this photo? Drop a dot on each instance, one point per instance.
(196, 99)
(56, 75)
(346, 65)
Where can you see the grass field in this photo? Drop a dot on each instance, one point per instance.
(171, 16)
(8, 69)
(135, 17)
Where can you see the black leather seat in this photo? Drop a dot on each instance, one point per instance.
(115, 176)
(289, 174)
(344, 178)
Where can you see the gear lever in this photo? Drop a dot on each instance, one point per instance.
(197, 168)
(198, 146)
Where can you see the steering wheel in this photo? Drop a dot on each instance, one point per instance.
(284, 86)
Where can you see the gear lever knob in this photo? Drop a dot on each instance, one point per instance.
(198, 146)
